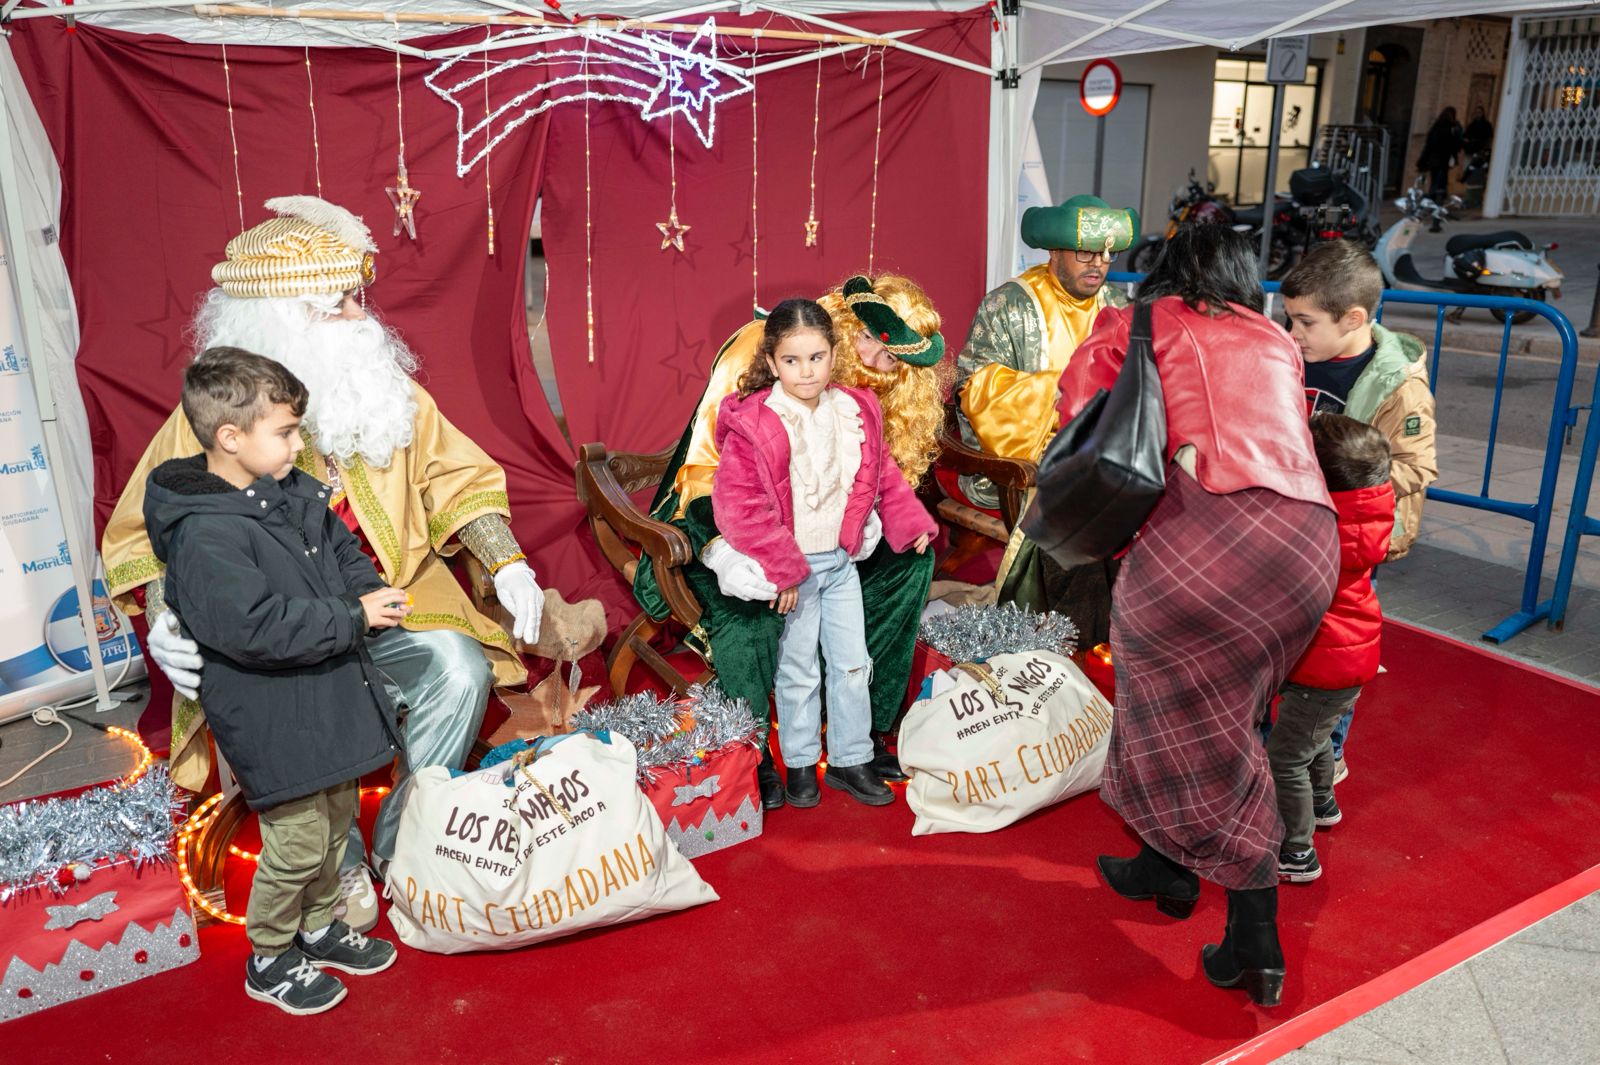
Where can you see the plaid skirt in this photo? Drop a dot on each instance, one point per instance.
(1215, 603)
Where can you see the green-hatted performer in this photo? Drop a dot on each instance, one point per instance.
(888, 340)
(1021, 339)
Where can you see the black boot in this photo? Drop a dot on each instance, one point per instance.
(1249, 953)
(768, 781)
(860, 782)
(884, 761)
(803, 790)
(1152, 874)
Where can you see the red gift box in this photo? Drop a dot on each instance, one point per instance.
(925, 661)
(710, 806)
(123, 923)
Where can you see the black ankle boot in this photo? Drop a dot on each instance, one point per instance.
(768, 781)
(860, 782)
(802, 787)
(1152, 874)
(884, 761)
(1249, 953)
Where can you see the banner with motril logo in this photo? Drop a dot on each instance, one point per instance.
(43, 654)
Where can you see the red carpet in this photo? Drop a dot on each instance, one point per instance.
(1475, 784)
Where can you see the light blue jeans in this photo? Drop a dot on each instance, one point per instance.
(440, 681)
(828, 615)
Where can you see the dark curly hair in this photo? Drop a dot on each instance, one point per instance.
(1208, 266)
(787, 318)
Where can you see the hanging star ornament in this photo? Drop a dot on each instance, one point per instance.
(811, 232)
(546, 710)
(404, 198)
(672, 231)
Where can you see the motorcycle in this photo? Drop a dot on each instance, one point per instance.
(1326, 207)
(1505, 263)
(1195, 204)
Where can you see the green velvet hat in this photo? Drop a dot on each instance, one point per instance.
(899, 339)
(1083, 223)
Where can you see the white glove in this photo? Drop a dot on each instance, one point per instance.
(519, 593)
(738, 575)
(178, 658)
(871, 533)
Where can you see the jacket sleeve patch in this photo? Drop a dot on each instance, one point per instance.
(1413, 425)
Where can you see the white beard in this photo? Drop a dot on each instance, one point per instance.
(358, 374)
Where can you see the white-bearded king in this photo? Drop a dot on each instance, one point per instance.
(412, 487)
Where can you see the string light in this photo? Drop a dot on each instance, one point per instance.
(816, 120)
(316, 146)
(233, 136)
(254, 856)
(588, 217)
(755, 184)
(401, 194)
(146, 759)
(488, 133)
(877, 140)
(672, 230)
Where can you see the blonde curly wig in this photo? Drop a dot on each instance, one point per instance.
(912, 396)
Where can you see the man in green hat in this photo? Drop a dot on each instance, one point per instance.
(1023, 335)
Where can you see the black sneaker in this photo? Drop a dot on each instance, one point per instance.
(293, 984)
(342, 947)
(1299, 868)
(1327, 813)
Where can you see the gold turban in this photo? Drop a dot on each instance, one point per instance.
(312, 248)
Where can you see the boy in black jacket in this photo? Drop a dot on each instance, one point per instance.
(275, 590)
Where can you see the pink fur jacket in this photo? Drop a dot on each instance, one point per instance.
(754, 505)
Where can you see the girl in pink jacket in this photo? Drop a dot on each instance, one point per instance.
(805, 486)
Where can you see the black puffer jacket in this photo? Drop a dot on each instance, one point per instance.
(267, 580)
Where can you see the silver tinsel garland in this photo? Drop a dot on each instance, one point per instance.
(654, 726)
(39, 839)
(978, 633)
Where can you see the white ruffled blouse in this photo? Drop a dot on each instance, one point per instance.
(824, 457)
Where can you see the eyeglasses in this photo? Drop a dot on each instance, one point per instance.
(1091, 256)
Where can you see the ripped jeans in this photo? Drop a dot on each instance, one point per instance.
(828, 615)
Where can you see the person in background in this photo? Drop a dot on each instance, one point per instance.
(1439, 150)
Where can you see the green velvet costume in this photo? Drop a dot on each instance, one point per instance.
(739, 638)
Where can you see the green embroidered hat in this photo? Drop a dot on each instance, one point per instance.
(1083, 223)
(899, 339)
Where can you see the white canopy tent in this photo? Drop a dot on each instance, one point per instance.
(1032, 34)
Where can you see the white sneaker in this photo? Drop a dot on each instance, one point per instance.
(358, 902)
(1340, 770)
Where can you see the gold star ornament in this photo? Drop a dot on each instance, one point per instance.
(547, 710)
(404, 198)
(811, 232)
(672, 231)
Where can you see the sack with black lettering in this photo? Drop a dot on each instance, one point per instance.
(999, 741)
(501, 857)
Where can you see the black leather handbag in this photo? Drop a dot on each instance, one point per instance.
(1105, 470)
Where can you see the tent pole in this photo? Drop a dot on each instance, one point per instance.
(1505, 132)
(21, 272)
(1271, 202)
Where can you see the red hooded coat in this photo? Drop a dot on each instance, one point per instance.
(1344, 652)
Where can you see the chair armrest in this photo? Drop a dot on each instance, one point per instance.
(605, 497)
(955, 454)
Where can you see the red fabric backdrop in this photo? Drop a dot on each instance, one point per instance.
(140, 127)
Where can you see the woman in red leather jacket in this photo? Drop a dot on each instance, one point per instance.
(1218, 596)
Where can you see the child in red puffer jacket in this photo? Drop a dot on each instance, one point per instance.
(1343, 654)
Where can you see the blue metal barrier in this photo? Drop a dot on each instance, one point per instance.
(1539, 511)
(1579, 523)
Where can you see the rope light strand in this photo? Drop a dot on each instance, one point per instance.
(233, 136)
(588, 216)
(816, 120)
(488, 134)
(755, 182)
(877, 141)
(316, 145)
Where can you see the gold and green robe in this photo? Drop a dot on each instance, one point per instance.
(409, 513)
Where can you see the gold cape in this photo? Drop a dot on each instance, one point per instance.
(408, 511)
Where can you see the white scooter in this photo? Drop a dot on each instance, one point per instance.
(1506, 263)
